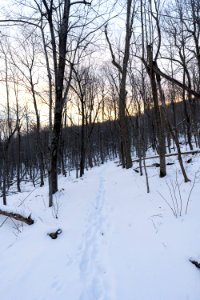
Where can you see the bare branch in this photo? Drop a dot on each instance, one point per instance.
(115, 63)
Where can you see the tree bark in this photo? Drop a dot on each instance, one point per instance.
(158, 120)
(18, 217)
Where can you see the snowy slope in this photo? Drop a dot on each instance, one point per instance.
(118, 242)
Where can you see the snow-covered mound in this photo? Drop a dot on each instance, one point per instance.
(117, 241)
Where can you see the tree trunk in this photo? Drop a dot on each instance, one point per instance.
(173, 134)
(82, 154)
(158, 121)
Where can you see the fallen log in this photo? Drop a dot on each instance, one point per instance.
(168, 155)
(28, 220)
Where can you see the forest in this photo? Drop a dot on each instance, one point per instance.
(99, 149)
(83, 82)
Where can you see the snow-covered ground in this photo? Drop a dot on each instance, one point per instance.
(117, 241)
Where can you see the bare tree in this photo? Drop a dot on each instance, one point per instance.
(122, 69)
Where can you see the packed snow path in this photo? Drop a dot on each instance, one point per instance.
(93, 270)
(118, 243)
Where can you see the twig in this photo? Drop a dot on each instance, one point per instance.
(174, 213)
(188, 200)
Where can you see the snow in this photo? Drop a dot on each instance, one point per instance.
(15, 210)
(117, 241)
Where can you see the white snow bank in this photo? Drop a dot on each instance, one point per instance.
(118, 242)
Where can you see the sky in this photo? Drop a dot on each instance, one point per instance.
(97, 57)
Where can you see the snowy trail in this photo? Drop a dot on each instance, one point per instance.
(93, 271)
(118, 243)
